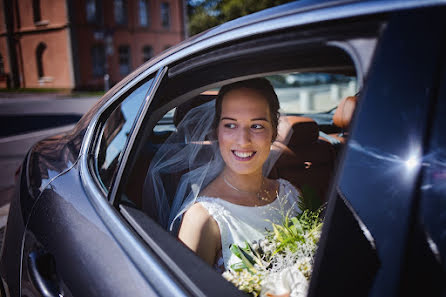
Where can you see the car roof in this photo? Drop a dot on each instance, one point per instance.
(281, 17)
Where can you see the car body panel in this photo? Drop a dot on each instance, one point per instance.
(74, 221)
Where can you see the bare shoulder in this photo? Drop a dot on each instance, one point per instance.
(198, 218)
(200, 232)
(197, 211)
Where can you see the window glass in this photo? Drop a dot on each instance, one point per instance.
(98, 60)
(124, 59)
(165, 15)
(312, 92)
(93, 11)
(39, 59)
(166, 123)
(120, 7)
(2, 65)
(115, 133)
(90, 10)
(36, 11)
(147, 53)
(143, 11)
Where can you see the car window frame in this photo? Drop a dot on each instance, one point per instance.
(348, 49)
(142, 257)
(134, 132)
(105, 116)
(97, 128)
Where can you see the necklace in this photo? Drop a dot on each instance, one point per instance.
(258, 195)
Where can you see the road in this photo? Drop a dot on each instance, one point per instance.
(26, 119)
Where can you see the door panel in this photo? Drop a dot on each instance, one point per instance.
(379, 177)
(74, 253)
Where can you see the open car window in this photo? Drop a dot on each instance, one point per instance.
(312, 92)
(310, 78)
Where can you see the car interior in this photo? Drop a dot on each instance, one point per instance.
(307, 150)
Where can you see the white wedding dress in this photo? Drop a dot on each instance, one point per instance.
(239, 224)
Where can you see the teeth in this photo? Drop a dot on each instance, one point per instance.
(243, 154)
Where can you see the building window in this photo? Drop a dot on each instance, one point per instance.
(98, 60)
(147, 53)
(144, 13)
(120, 7)
(124, 59)
(39, 59)
(165, 15)
(93, 11)
(36, 11)
(2, 65)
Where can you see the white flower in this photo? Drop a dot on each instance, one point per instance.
(289, 280)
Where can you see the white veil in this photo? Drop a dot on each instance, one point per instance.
(185, 164)
(189, 160)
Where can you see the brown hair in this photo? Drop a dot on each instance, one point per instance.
(261, 85)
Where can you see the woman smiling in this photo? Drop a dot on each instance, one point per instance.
(240, 202)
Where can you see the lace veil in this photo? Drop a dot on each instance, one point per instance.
(185, 164)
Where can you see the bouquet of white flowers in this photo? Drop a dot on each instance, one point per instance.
(281, 263)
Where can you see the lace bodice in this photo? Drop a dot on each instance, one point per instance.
(239, 223)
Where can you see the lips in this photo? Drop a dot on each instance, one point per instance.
(243, 156)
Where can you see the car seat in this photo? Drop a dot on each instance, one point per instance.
(343, 117)
(305, 160)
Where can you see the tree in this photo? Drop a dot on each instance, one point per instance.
(205, 14)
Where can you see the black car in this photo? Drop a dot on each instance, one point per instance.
(76, 226)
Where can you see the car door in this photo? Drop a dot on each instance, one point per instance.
(67, 248)
(375, 220)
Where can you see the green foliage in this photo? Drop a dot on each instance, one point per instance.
(246, 255)
(297, 230)
(201, 20)
(310, 199)
(294, 232)
(206, 14)
(290, 245)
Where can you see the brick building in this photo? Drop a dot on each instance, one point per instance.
(73, 44)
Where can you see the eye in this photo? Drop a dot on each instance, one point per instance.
(230, 125)
(257, 126)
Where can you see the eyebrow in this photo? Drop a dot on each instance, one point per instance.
(255, 119)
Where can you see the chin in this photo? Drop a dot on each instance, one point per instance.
(244, 170)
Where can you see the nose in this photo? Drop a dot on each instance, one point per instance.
(244, 136)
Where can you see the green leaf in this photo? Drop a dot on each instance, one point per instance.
(298, 225)
(235, 250)
(238, 266)
(247, 259)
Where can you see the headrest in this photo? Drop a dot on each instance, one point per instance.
(305, 131)
(344, 113)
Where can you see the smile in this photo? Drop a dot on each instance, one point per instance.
(243, 156)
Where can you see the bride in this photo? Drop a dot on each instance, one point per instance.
(225, 196)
